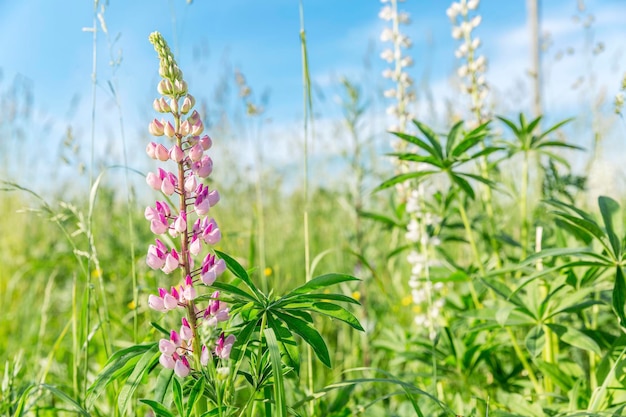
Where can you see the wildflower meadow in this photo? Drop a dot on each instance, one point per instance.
(402, 246)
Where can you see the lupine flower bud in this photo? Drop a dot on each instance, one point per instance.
(150, 149)
(156, 303)
(185, 128)
(171, 262)
(224, 346)
(161, 153)
(180, 224)
(174, 105)
(156, 257)
(188, 103)
(205, 356)
(167, 361)
(196, 152)
(181, 368)
(206, 142)
(176, 154)
(165, 87)
(169, 301)
(197, 128)
(195, 245)
(156, 128)
(167, 347)
(185, 330)
(189, 292)
(180, 87)
(169, 130)
(194, 117)
(191, 183)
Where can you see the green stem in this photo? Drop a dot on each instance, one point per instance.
(524, 206)
(524, 361)
(474, 248)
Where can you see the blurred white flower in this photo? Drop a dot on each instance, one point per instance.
(386, 35)
(387, 55)
(407, 61)
(386, 13)
(456, 32)
(472, 4)
(389, 93)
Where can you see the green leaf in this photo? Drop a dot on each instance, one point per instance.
(416, 141)
(403, 177)
(231, 289)
(453, 135)
(380, 218)
(431, 137)
(287, 343)
(556, 126)
(584, 225)
(619, 296)
(304, 298)
(463, 184)
(321, 281)
(308, 334)
(194, 395)
(563, 380)
(575, 337)
(280, 402)
(613, 223)
(119, 366)
(239, 272)
(177, 392)
(468, 143)
(159, 409)
(535, 340)
(66, 398)
(21, 403)
(337, 312)
(243, 337)
(147, 362)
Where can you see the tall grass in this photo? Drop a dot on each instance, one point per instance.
(527, 327)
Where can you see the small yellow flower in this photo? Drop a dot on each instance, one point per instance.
(356, 295)
(407, 300)
(131, 305)
(268, 271)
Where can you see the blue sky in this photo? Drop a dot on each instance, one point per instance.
(45, 42)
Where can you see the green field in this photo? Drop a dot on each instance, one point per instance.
(457, 267)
